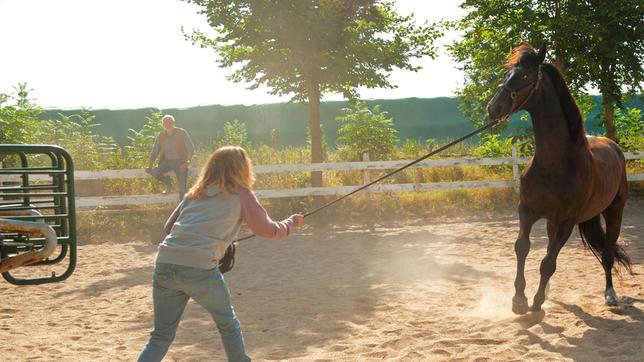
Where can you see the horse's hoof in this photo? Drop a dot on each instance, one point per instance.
(535, 309)
(610, 297)
(519, 305)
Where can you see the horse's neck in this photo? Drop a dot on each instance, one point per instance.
(553, 142)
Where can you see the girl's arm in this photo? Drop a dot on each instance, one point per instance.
(254, 214)
(173, 218)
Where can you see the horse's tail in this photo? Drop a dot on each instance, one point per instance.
(594, 239)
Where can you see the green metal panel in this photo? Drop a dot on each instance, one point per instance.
(52, 196)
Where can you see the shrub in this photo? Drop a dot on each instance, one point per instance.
(235, 134)
(75, 133)
(141, 142)
(629, 129)
(492, 145)
(365, 130)
(18, 117)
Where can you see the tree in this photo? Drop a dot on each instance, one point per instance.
(592, 42)
(305, 48)
(611, 42)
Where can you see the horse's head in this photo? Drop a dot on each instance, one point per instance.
(520, 82)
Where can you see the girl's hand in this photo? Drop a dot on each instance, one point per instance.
(298, 220)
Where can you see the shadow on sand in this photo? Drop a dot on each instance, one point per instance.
(605, 337)
(288, 305)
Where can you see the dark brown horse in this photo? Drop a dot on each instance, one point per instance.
(572, 179)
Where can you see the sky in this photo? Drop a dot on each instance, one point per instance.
(120, 54)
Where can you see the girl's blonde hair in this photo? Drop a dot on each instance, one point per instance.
(228, 168)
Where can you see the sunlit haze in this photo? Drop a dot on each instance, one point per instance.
(129, 54)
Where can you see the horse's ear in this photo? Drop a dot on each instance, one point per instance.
(541, 56)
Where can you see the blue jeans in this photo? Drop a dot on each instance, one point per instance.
(173, 285)
(165, 166)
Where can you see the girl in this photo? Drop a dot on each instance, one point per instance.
(198, 233)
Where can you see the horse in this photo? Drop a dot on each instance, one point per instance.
(573, 179)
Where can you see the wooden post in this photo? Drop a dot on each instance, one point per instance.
(366, 176)
(1, 178)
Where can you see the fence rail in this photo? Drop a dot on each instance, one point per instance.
(366, 166)
(91, 202)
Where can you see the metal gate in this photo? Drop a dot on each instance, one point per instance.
(37, 213)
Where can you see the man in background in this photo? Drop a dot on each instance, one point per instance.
(174, 149)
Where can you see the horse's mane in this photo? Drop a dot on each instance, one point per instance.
(527, 56)
(522, 54)
(568, 104)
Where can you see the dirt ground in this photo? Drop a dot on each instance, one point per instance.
(413, 291)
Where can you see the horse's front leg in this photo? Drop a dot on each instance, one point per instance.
(521, 249)
(558, 234)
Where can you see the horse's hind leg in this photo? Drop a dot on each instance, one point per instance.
(558, 235)
(613, 218)
(522, 248)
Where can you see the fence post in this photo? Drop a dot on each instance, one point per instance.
(366, 176)
(515, 167)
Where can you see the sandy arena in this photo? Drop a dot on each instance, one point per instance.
(419, 291)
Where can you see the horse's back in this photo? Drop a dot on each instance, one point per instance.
(607, 155)
(585, 184)
(608, 175)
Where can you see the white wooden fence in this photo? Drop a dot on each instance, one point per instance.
(92, 202)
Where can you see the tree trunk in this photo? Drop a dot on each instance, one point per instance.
(558, 36)
(316, 130)
(609, 116)
(560, 64)
(606, 87)
(559, 59)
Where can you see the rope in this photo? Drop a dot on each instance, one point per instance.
(440, 149)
